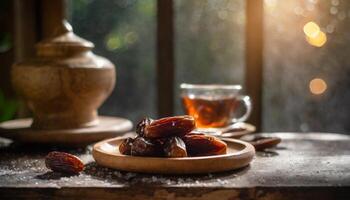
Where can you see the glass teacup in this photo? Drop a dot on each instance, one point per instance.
(214, 106)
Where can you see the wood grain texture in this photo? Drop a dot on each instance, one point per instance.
(26, 35)
(261, 193)
(51, 14)
(254, 58)
(165, 58)
(304, 166)
(20, 130)
(7, 53)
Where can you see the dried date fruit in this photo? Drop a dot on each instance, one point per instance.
(170, 126)
(125, 146)
(175, 147)
(204, 145)
(146, 147)
(140, 127)
(63, 162)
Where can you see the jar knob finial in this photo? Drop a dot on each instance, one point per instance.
(63, 28)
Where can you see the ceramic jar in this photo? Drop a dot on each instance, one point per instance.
(65, 83)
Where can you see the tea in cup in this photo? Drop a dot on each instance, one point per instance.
(214, 106)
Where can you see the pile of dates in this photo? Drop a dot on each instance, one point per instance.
(171, 137)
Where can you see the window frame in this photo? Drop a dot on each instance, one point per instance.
(48, 14)
(253, 57)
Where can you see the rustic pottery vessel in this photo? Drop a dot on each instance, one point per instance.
(65, 83)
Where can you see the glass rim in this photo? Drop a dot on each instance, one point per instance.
(210, 86)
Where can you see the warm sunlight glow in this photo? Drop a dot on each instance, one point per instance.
(311, 29)
(271, 4)
(317, 86)
(317, 41)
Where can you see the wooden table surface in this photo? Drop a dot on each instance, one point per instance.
(304, 166)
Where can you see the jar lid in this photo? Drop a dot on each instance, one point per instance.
(63, 43)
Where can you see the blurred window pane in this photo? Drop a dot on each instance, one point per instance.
(307, 65)
(124, 32)
(209, 42)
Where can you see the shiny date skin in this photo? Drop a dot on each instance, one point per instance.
(125, 146)
(204, 145)
(175, 147)
(63, 162)
(171, 137)
(169, 126)
(146, 147)
(140, 127)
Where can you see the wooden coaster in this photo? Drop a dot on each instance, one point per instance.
(19, 130)
(236, 130)
(239, 154)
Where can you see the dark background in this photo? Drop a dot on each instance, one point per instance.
(209, 48)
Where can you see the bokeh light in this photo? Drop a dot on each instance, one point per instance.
(317, 41)
(314, 35)
(113, 42)
(131, 37)
(311, 29)
(317, 86)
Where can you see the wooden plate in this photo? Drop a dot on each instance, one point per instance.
(240, 154)
(108, 127)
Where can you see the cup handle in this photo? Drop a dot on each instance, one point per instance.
(248, 104)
